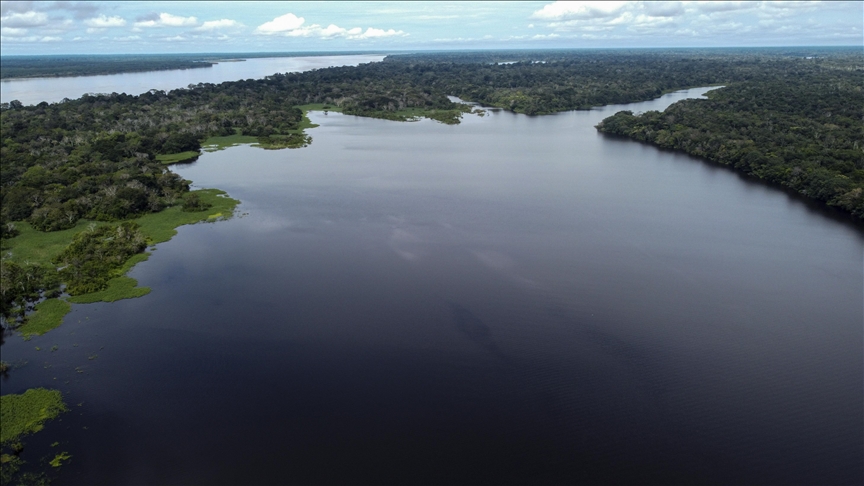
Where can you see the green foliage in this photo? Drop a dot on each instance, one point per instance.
(116, 289)
(213, 144)
(89, 65)
(178, 158)
(96, 254)
(21, 286)
(59, 458)
(101, 157)
(803, 131)
(27, 413)
(161, 226)
(48, 315)
(38, 247)
(193, 203)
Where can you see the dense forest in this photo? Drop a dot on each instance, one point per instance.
(801, 129)
(91, 65)
(82, 65)
(788, 116)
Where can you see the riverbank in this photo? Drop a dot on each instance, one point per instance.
(41, 248)
(803, 133)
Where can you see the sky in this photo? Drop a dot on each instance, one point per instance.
(43, 27)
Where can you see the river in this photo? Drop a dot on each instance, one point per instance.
(513, 299)
(31, 91)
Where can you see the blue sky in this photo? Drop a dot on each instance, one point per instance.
(175, 27)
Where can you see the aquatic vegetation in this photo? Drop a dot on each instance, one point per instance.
(178, 158)
(117, 288)
(100, 259)
(59, 458)
(48, 315)
(27, 413)
(217, 143)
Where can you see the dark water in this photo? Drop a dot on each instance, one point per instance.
(511, 300)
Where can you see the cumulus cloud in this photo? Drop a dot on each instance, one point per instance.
(290, 25)
(103, 21)
(717, 20)
(32, 38)
(578, 10)
(284, 23)
(165, 20)
(12, 32)
(372, 33)
(211, 25)
(24, 19)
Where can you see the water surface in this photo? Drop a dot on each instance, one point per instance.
(511, 300)
(31, 91)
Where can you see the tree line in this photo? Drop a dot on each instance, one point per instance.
(801, 130)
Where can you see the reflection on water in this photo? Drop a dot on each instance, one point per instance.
(511, 300)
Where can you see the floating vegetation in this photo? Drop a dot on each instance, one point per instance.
(59, 458)
(48, 315)
(27, 413)
(118, 288)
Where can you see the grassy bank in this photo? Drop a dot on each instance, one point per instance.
(291, 139)
(178, 158)
(42, 247)
(47, 315)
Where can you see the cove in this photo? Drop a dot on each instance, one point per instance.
(510, 300)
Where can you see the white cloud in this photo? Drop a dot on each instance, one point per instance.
(29, 39)
(717, 20)
(284, 23)
(166, 20)
(372, 33)
(578, 10)
(104, 21)
(290, 25)
(128, 38)
(13, 32)
(94, 30)
(722, 6)
(24, 19)
(218, 24)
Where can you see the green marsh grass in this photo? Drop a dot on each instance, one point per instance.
(27, 413)
(40, 247)
(47, 315)
(178, 158)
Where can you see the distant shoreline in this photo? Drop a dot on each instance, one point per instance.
(52, 66)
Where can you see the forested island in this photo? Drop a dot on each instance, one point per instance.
(87, 187)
